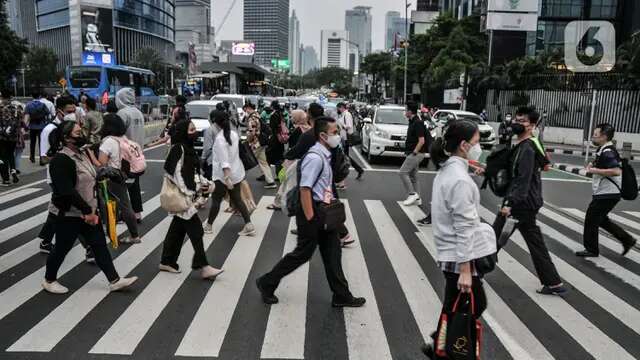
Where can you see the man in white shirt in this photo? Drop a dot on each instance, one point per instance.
(345, 123)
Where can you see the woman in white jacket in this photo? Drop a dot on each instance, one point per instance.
(460, 237)
(228, 173)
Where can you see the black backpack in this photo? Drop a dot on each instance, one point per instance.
(53, 138)
(39, 114)
(629, 188)
(341, 165)
(497, 174)
(293, 196)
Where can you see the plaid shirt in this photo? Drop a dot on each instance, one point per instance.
(10, 122)
(453, 267)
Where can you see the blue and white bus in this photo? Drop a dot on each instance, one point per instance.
(101, 82)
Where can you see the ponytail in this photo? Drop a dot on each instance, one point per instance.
(454, 133)
(221, 118)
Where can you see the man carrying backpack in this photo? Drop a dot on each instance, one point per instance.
(36, 116)
(316, 226)
(524, 198)
(607, 188)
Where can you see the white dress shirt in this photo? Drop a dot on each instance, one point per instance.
(227, 156)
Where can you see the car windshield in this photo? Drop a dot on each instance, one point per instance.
(391, 116)
(236, 100)
(200, 111)
(474, 118)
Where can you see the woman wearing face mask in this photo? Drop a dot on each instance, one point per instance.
(113, 129)
(182, 167)
(228, 173)
(74, 201)
(460, 237)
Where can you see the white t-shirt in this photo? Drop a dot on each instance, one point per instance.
(44, 138)
(111, 148)
(227, 156)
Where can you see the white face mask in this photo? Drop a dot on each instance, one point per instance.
(475, 152)
(333, 141)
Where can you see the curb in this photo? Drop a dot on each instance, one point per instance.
(573, 169)
(579, 153)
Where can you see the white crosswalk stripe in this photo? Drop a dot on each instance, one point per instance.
(615, 217)
(286, 327)
(17, 194)
(22, 207)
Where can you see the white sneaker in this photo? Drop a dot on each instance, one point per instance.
(122, 283)
(412, 199)
(208, 228)
(54, 287)
(209, 272)
(169, 269)
(248, 230)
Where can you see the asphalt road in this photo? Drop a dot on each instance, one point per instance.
(392, 264)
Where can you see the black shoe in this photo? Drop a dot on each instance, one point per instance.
(33, 160)
(360, 173)
(557, 290)
(46, 248)
(5, 184)
(260, 178)
(427, 349)
(89, 257)
(18, 172)
(14, 177)
(628, 247)
(586, 254)
(267, 297)
(352, 302)
(426, 221)
(294, 231)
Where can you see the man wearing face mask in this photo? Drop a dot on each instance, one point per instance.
(524, 199)
(316, 179)
(504, 130)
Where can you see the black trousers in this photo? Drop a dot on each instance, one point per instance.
(48, 230)
(175, 238)
(532, 235)
(135, 195)
(310, 236)
(235, 198)
(8, 157)
(353, 162)
(597, 217)
(67, 231)
(34, 135)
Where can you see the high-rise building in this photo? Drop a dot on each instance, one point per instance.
(428, 5)
(395, 26)
(334, 50)
(294, 44)
(194, 33)
(70, 28)
(266, 23)
(309, 59)
(12, 9)
(358, 23)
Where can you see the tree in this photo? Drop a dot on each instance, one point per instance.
(12, 48)
(149, 58)
(378, 65)
(41, 63)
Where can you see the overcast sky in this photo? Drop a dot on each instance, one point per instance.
(314, 16)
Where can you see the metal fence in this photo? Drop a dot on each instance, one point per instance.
(572, 109)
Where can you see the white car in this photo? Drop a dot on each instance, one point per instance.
(237, 101)
(385, 134)
(488, 136)
(199, 111)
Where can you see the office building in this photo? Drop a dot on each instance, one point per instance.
(428, 5)
(334, 50)
(358, 24)
(98, 31)
(266, 23)
(309, 59)
(194, 33)
(395, 26)
(294, 44)
(12, 9)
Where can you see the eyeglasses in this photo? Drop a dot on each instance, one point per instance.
(523, 120)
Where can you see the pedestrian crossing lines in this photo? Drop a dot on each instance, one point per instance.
(392, 264)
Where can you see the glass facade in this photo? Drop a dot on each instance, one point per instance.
(51, 14)
(156, 17)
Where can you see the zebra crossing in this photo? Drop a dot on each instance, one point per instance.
(392, 265)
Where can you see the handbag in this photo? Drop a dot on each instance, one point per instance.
(332, 215)
(172, 199)
(459, 334)
(248, 158)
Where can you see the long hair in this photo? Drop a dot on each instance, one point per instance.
(455, 132)
(112, 125)
(221, 118)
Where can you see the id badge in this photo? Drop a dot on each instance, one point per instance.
(328, 196)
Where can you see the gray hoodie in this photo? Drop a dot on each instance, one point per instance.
(132, 117)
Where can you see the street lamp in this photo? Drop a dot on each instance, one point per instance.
(406, 45)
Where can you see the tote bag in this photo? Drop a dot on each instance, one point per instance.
(459, 332)
(171, 198)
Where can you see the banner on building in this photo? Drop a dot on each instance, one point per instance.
(525, 6)
(193, 59)
(97, 35)
(243, 48)
(512, 21)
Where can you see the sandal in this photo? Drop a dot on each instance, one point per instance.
(274, 207)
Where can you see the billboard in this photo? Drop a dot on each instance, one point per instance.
(97, 35)
(282, 64)
(512, 21)
(243, 48)
(513, 5)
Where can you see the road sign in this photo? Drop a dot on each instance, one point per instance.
(282, 64)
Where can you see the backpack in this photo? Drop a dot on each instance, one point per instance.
(341, 165)
(133, 161)
(38, 112)
(497, 174)
(293, 195)
(629, 188)
(283, 134)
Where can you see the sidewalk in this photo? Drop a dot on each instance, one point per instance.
(578, 150)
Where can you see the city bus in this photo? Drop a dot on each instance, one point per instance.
(101, 82)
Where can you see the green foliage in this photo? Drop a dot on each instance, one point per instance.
(12, 48)
(41, 65)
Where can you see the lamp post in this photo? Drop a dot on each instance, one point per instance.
(406, 46)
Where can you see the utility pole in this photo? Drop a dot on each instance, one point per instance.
(406, 46)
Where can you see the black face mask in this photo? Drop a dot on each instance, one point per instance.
(79, 141)
(517, 128)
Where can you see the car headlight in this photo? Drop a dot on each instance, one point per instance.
(381, 133)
